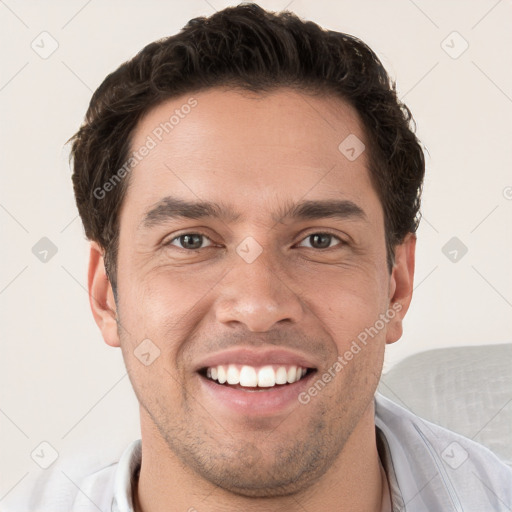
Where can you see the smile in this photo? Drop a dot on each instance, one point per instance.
(245, 376)
(245, 382)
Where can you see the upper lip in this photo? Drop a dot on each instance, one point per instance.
(256, 357)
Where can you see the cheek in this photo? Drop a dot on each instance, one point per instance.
(349, 302)
(165, 305)
(154, 313)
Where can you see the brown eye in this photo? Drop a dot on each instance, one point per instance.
(321, 240)
(190, 241)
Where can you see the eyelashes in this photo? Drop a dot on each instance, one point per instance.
(193, 239)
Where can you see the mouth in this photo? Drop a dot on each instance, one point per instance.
(243, 383)
(255, 378)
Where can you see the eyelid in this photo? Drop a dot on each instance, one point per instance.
(212, 243)
(324, 232)
(179, 235)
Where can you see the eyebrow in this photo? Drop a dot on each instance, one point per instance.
(170, 208)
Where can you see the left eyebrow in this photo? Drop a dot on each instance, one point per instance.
(323, 209)
(170, 208)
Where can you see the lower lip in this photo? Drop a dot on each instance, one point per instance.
(268, 402)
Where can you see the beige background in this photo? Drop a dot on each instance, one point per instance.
(59, 382)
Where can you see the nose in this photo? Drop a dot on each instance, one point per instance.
(258, 296)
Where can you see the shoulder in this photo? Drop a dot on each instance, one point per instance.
(82, 484)
(469, 474)
(62, 490)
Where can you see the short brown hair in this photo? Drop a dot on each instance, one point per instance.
(249, 48)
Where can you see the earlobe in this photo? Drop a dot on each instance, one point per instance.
(401, 285)
(101, 297)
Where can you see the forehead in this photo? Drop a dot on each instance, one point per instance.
(252, 148)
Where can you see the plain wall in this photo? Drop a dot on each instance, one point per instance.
(60, 383)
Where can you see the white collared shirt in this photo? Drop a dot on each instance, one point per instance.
(429, 469)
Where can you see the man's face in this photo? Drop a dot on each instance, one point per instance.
(257, 286)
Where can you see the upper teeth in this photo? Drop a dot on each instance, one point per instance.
(249, 376)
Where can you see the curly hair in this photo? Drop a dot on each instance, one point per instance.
(247, 47)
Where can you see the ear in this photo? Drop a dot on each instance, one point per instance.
(401, 286)
(101, 297)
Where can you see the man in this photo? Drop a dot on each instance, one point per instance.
(251, 190)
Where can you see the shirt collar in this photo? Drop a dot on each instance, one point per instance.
(127, 476)
(397, 500)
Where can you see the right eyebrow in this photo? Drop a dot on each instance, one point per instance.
(170, 208)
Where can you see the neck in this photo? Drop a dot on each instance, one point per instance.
(355, 482)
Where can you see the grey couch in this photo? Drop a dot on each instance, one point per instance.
(465, 389)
